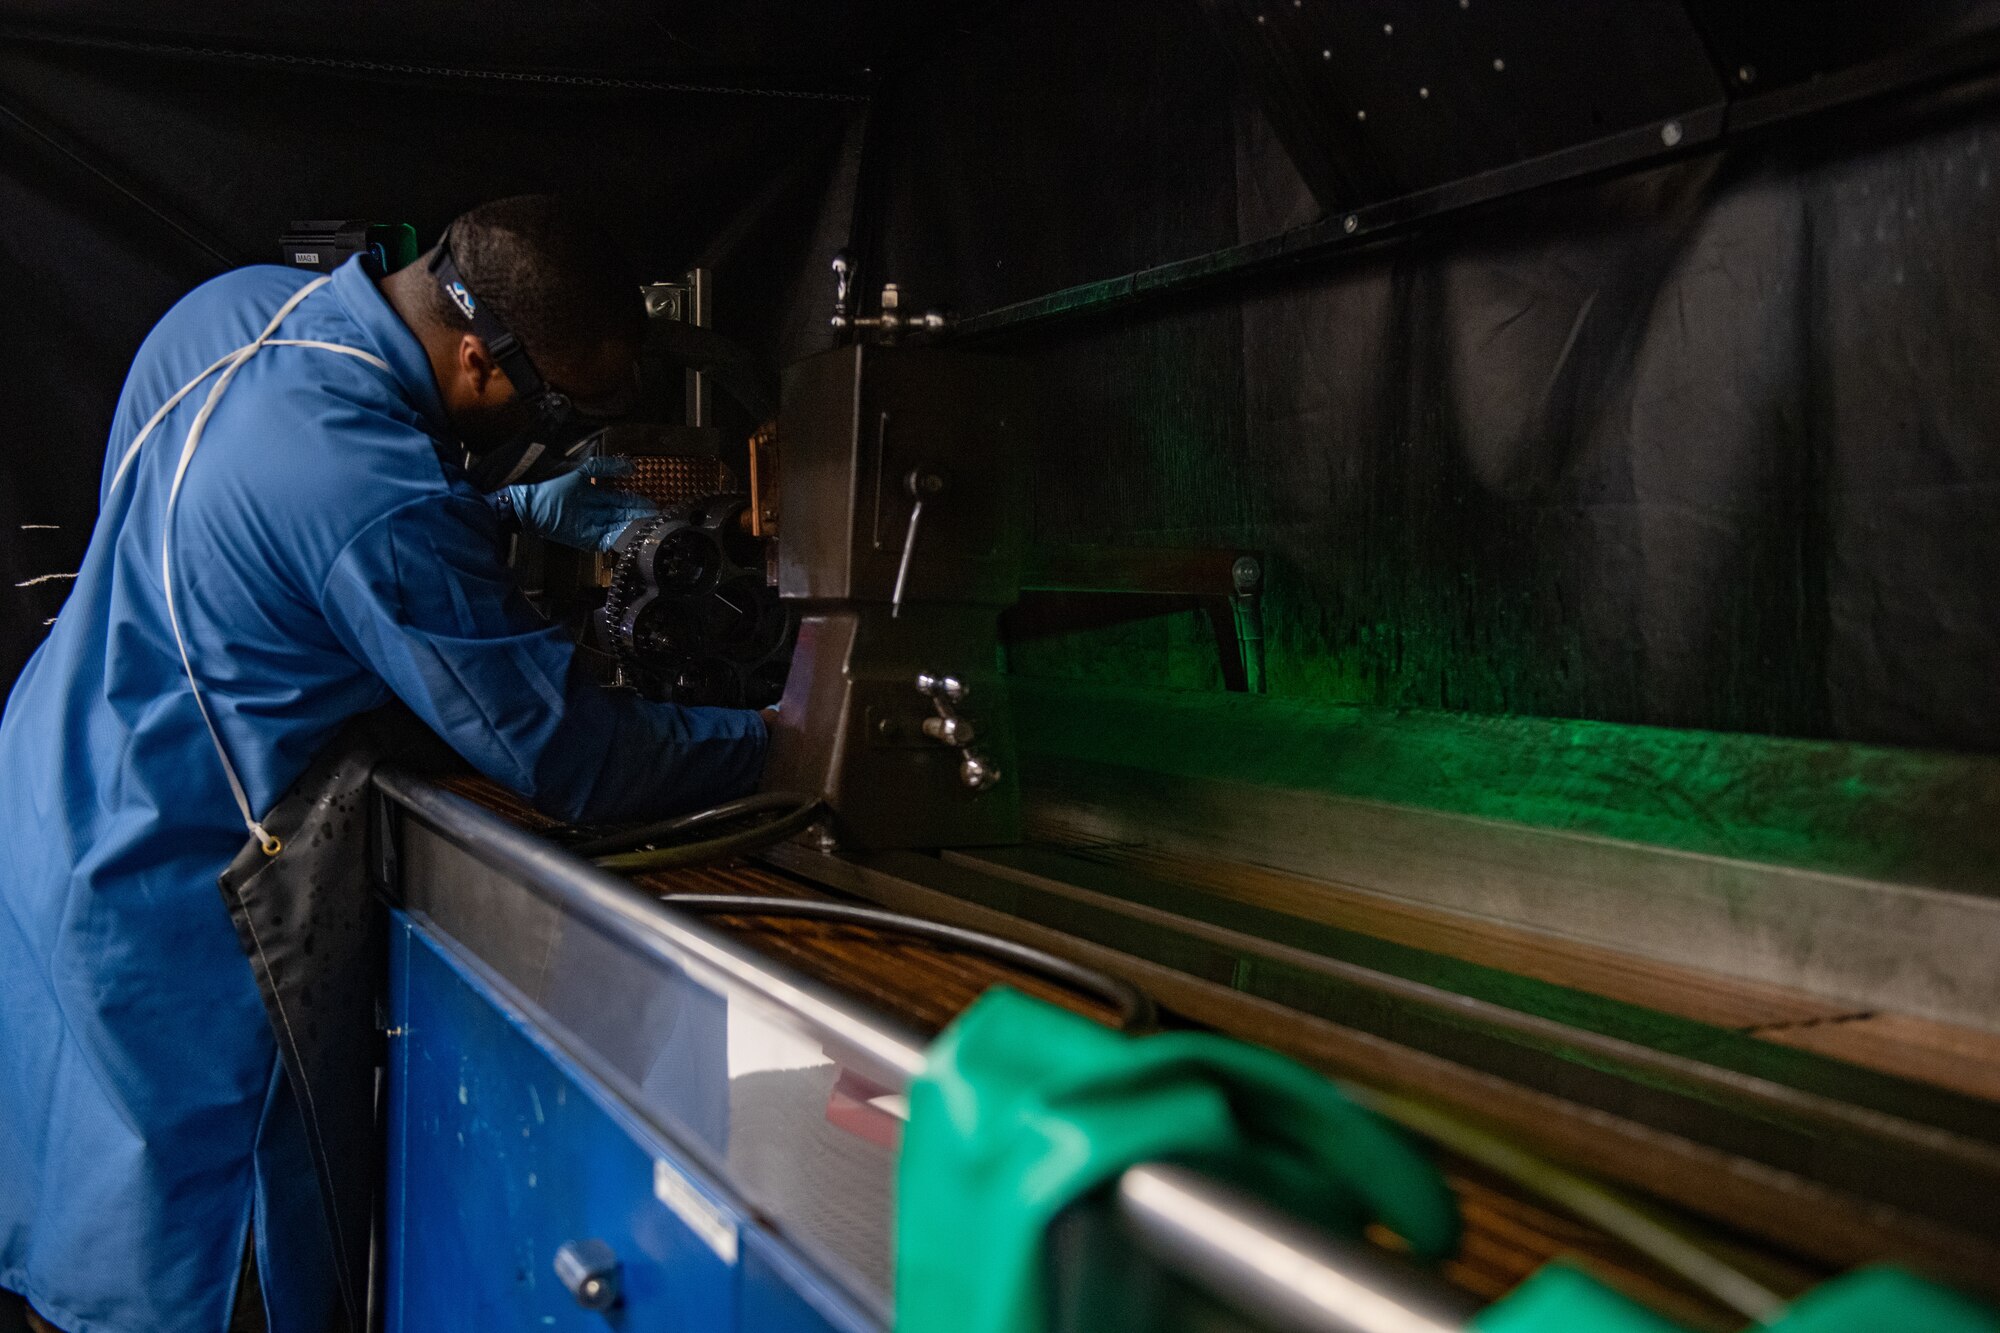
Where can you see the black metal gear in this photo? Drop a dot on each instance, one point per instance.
(689, 616)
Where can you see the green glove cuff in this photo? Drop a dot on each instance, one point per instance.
(1876, 1300)
(1025, 1108)
(1560, 1299)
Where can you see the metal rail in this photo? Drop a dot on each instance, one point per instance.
(614, 909)
(1272, 1268)
(1970, 58)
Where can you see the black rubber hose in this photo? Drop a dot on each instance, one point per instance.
(1135, 1008)
(625, 839)
(680, 854)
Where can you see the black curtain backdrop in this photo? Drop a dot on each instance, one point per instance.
(1715, 444)
(234, 150)
(1712, 445)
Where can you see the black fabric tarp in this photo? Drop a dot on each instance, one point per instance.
(1716, 444)
(1711, 444)
(236, 150)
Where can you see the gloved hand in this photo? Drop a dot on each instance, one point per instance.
(574, 511)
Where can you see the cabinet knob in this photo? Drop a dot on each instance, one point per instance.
(589, 1269)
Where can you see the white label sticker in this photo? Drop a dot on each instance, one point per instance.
(703, 1218)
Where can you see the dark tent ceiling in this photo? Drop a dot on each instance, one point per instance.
(835, 45)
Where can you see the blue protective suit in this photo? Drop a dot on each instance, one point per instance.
(325, 561)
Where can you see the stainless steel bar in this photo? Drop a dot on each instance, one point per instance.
(611, 906)
(1289, 1275)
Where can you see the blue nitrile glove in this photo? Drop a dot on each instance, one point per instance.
(574, 511)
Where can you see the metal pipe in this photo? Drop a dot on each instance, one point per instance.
(1292, 1276)
(1668, 1245)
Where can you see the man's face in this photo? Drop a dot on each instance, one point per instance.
(486, 412)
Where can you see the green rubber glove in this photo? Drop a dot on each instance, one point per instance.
(1559, 1299)
(1877, 1300)
(1025, 1108)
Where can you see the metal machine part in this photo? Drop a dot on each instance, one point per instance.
(688, 614)
(901, 547)
(953, 728)
(887, 325)
(1065, 589)
(588, 1270)
(551, 936)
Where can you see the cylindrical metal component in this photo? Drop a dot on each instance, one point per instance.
(588, 1269)
(952, 730)
(1276, 1268)
(903, 566)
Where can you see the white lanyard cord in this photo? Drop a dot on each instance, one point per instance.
(228, 366)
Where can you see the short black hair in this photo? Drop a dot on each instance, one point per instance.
(550, 273)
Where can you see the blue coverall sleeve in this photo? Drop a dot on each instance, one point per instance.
(421, 598)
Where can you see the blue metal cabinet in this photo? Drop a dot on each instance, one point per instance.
(500, 1151)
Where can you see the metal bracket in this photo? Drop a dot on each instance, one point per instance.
(1065, 589)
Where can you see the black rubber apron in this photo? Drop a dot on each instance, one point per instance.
(313, 924)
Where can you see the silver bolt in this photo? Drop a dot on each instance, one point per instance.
(1388, 30)
(1326, 55)
(976, 772)
(1499, 64)
(1361, 115)
(1746, 74)
(1670, 133)
(1350, 224)
(1260, 18)
(1423, 92)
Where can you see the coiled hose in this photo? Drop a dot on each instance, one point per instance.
(1136, 1011)
(664, 846)
(636, 851)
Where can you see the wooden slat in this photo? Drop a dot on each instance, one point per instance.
(1958, 1058)
(1722, 1001)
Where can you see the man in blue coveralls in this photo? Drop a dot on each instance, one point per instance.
(288, 537)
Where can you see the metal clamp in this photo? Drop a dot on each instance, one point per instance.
(953, 728)
(588, 1269)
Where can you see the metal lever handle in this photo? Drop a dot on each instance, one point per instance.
(918, 483)
(589, 1270)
